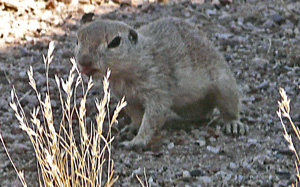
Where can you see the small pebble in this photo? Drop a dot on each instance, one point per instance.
(200, 142)
(205, 180)
(278, 19)
(196, 173)
(171, 145)
(233, 166)
(252, 141)
(213, 149)
(186, 174)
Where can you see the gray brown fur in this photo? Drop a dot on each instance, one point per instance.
(166, 69)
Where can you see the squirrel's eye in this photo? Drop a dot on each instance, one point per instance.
(115, 42)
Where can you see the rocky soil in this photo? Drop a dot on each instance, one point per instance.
(260, 41)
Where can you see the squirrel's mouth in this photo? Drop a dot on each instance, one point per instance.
(88, 70)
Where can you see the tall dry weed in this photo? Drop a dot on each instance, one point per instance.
(284, 112)
(61, 160)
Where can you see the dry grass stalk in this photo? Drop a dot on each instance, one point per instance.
(61, 161)
(145, 178)
(20, 173)
(284, 111)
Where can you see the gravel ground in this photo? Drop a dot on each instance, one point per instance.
(260, 41)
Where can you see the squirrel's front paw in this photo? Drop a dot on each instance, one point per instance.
(134, 144)
(235, 128)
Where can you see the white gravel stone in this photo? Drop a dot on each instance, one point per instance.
(186, 174)
(213, 149)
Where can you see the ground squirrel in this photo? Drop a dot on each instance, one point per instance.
(166, 69)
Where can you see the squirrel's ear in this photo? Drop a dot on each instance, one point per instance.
(133, 36)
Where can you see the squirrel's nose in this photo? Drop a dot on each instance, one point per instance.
(85, 60)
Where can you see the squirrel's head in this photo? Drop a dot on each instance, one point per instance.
(105, 44)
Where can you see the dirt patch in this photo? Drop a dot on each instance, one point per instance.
(260, 41)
